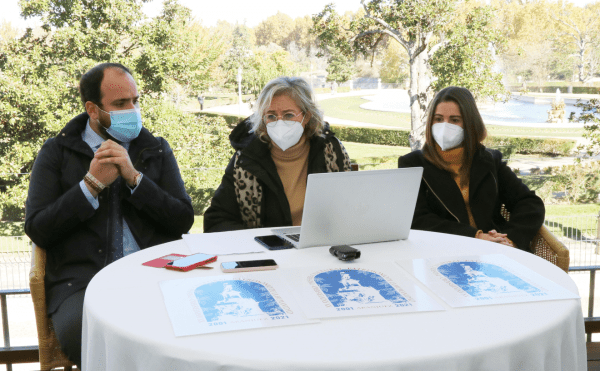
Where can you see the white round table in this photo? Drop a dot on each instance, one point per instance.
(126, 325)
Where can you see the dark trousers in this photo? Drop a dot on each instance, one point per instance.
(67, 321)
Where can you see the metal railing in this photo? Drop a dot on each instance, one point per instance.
(15, 262)
(581, 235)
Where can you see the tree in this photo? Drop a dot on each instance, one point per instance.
(394, 65)
(340, 67)
(301, 34)
(533, 50)
(466, 58)
(590, 115)
(239, 54)
(275, 29)
(7, 33)
(580, 30)
(266, 64)
(419, 26)
(39, 73)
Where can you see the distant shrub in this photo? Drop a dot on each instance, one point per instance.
(580, 183)
(541, 146)
(372, 136)
(552, 89)
(200, 145)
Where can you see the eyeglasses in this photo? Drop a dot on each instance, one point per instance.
(290, 116)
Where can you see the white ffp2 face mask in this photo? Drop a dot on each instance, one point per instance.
(285, 133)
(447, 136)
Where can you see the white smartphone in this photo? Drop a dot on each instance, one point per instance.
(248, 265)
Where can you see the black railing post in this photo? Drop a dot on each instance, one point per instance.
(5, 320)
(5, 331)
(591, 301)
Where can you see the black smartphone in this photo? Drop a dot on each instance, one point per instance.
(274, 242)
(248, 265)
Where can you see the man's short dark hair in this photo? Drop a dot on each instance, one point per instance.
(89, 84)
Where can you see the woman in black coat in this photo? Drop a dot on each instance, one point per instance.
(465, 184)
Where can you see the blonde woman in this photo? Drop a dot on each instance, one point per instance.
(283, 141)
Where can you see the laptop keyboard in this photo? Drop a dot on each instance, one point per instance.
(295, 237)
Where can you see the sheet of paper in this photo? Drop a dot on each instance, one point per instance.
(201, 305)
(340, 291)
(223, 243)
(483, 280)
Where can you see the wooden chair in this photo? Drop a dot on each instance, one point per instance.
(547, 246)
(51, 356)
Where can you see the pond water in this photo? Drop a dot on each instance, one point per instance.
(511, 113)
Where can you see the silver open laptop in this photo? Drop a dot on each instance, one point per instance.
(349, 208)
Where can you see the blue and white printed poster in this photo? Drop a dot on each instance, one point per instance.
(203, 305)
(484, 280)
(355, 291)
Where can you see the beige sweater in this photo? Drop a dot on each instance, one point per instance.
(292, 167)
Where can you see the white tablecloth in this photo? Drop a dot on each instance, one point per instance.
(126, 325)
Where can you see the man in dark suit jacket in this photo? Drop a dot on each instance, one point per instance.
(104, 187)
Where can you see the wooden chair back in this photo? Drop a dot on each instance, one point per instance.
(51, 356)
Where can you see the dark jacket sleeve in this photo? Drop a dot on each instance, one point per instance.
(223, 213)
(527, 211)
(166, 202)
(425, 218)
(50, 211)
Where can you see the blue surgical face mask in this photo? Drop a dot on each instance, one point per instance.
(125, 125)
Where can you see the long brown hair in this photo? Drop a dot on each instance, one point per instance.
(473, 126)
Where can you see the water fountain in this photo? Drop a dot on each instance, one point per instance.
(556, 115)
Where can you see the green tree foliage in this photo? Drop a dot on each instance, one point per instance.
(282, 30)
(39, 73)
(468, 57)
(238, 55)
(591, 117)
(579, 183)
(301, 34)
(202, 150)
(549, 39)
(266, 64)
(258, 64)
(394, 64)
(275, 29)
(7, 33)
(579, 31)
(340, 67)
(419, 26)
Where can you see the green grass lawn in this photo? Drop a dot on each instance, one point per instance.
(373, 156)
(585, 209)
(348, 108)
(198, 226)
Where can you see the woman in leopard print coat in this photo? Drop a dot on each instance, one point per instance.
(255, 188)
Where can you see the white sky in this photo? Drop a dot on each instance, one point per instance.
(210, 11)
